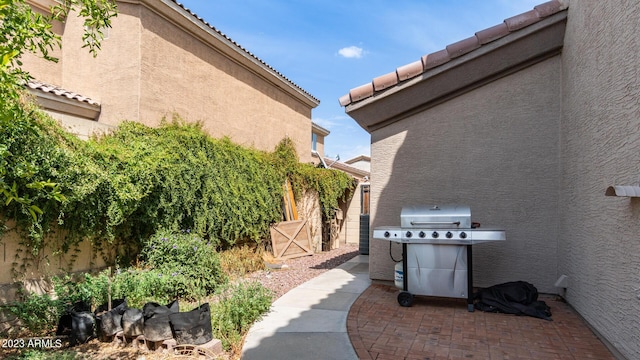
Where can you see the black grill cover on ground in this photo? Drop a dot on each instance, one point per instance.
(132, 322)
(156, 320)
(192, 327)
(517, 297)
(110, 322)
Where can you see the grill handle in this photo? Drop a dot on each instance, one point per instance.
(456, 223)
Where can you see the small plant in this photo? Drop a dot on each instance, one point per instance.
(238, 307)
(38, 313)
(91, 289)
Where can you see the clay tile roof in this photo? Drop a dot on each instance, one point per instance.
(52, 89)
(246, 51)
(452, 51)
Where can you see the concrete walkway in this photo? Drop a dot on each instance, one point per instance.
(310, 321)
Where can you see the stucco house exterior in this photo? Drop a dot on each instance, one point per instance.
(349, 218)
(318, 133)
(157, 60)
(362, 162)
(527, 122)
(160, 59)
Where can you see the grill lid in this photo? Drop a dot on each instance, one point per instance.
(436, 217)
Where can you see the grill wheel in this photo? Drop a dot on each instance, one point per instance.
(405, 299)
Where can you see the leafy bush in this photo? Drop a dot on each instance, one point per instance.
(188, 264)
(140, 286)
(91, 289)
(38, 313)
(331, 185)
(31, 159)
(238, 307)
(120, 189)
(176, 177)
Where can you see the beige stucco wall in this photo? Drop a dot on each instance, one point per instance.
(150, 68)
(52, 71)
(112, 78)
(350, 231)
(494, 149)
(151, 65)
(80, 127)
(181, 74)
(48, 262)
(600, 247)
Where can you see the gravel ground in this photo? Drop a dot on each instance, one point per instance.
(302, 269)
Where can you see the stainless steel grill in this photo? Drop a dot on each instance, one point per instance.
(436, 251)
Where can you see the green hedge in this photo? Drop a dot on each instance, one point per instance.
(119, 189)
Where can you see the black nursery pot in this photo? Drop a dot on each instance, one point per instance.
(132, 323)
(156, 320)
(110, 322)
(192, 327)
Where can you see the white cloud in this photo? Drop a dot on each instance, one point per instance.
(351, 52)
(335, 122)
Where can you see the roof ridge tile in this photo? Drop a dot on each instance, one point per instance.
(522, 20)
(410, 70)
(385, 81)
(493, 33)
(435, 59)
(462, 47)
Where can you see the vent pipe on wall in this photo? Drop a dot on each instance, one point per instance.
(624, 190)
(627, 190)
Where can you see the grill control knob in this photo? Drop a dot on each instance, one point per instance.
(408, 234)
(435, 234)
(422, 234)
(463, 235)
(387, 234)
(449, 235)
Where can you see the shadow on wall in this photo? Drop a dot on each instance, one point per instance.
(495, 149)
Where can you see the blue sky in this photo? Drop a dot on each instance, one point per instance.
(328, 47)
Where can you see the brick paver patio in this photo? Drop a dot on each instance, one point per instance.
(438, 328)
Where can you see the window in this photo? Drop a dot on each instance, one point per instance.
(314, 142)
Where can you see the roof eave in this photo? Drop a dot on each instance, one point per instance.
(349, 169)
(315, 128)
(487, 63)
(64, 105)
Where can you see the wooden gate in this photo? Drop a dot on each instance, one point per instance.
(291, 239)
